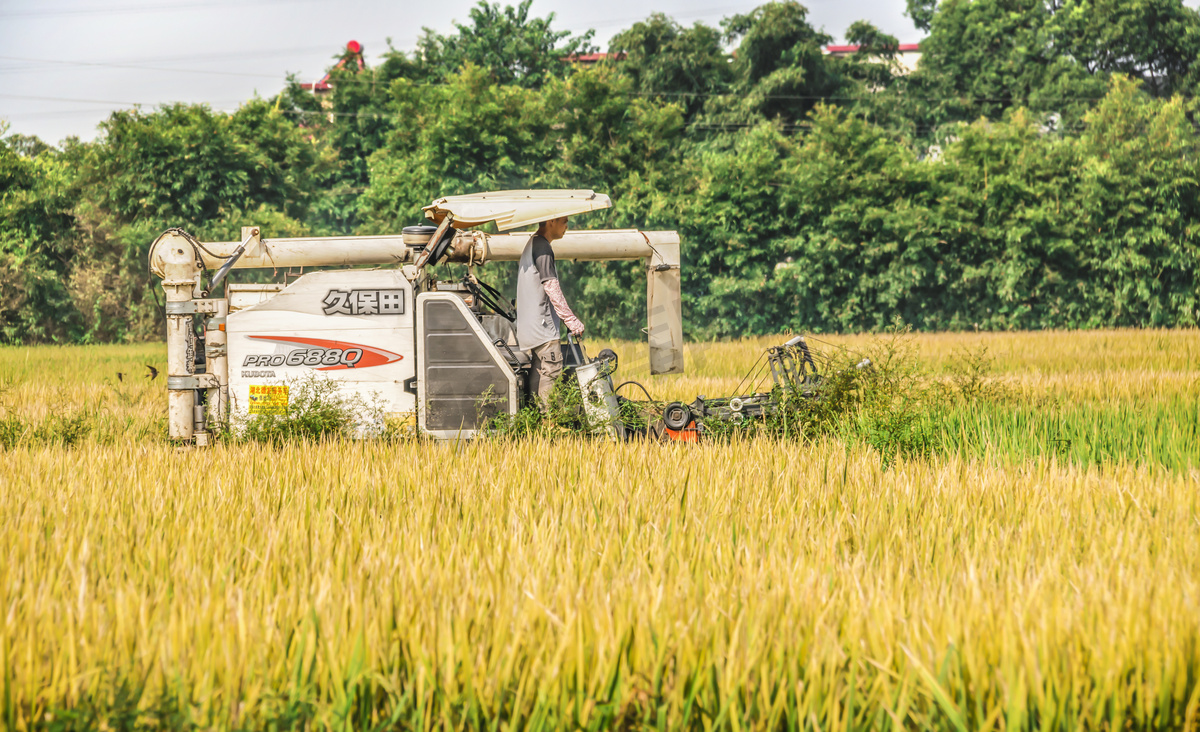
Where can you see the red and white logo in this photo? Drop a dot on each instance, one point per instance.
(326, 354)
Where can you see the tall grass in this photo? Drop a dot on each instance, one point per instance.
(581, 584)
(1038, 572)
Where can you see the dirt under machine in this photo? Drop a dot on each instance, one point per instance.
(442, 351)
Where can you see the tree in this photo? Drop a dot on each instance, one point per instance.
(283, 164)
(630, 146)
(346, 124)
(779, 67)
(1156, 42)
(466, 135)
(861, 251)
(38, 240)
(732, 223)
(670, 61)
(984, 57)
(509, 45)
(874, 64)
(1139, 203)
(818, 204)
(182, 166)
(921, 12)
(587, 131)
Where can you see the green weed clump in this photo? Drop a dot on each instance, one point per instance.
(61, 427)
(565, 415)
(901, 406)
(317, 409)
(58, 427)
(878, 394)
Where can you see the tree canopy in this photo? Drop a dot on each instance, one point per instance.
(513, 47)
(1038, 169)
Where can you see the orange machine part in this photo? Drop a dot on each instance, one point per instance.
(687, 434)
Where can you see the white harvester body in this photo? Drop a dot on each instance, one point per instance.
(355, 327)
(393, 338)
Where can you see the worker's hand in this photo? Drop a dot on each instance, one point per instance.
(575, 325)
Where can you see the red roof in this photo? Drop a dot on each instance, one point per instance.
(591, 58)
(854, 49)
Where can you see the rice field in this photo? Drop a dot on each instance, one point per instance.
(1041, 571)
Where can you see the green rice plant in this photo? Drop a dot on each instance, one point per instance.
(1165, 434)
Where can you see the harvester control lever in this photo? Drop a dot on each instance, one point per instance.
(500, 343)
(437, 246)
(577, 347)
(490, 297)
(233, 258)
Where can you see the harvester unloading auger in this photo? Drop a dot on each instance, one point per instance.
(442, 351)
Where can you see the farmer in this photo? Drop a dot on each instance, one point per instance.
(540, 308)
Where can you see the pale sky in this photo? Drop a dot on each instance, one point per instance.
(66, 64)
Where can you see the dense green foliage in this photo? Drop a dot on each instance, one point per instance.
(1038, 169)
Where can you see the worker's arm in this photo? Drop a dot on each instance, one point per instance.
(555, 293)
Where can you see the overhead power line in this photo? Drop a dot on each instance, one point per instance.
(57, 113)
(133, 66)
(216, 106)
(68, 99)
(134, 9)
(610, 22)
(771, 97)
(630, 93)
(240, 55)
(789, 127)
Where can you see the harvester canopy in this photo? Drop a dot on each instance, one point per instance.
(514, 209)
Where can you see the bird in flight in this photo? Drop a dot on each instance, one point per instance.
(153, 372)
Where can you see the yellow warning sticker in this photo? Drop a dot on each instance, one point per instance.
(268, 399)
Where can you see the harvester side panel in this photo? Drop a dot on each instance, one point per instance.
(354, 327)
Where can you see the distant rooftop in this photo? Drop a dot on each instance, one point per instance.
(594, 58)
(906, 57)
(902, 48)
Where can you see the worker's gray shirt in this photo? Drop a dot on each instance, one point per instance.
(537, 323)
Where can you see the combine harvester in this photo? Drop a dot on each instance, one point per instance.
(444, 351)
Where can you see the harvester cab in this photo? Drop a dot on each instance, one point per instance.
(441, 352)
